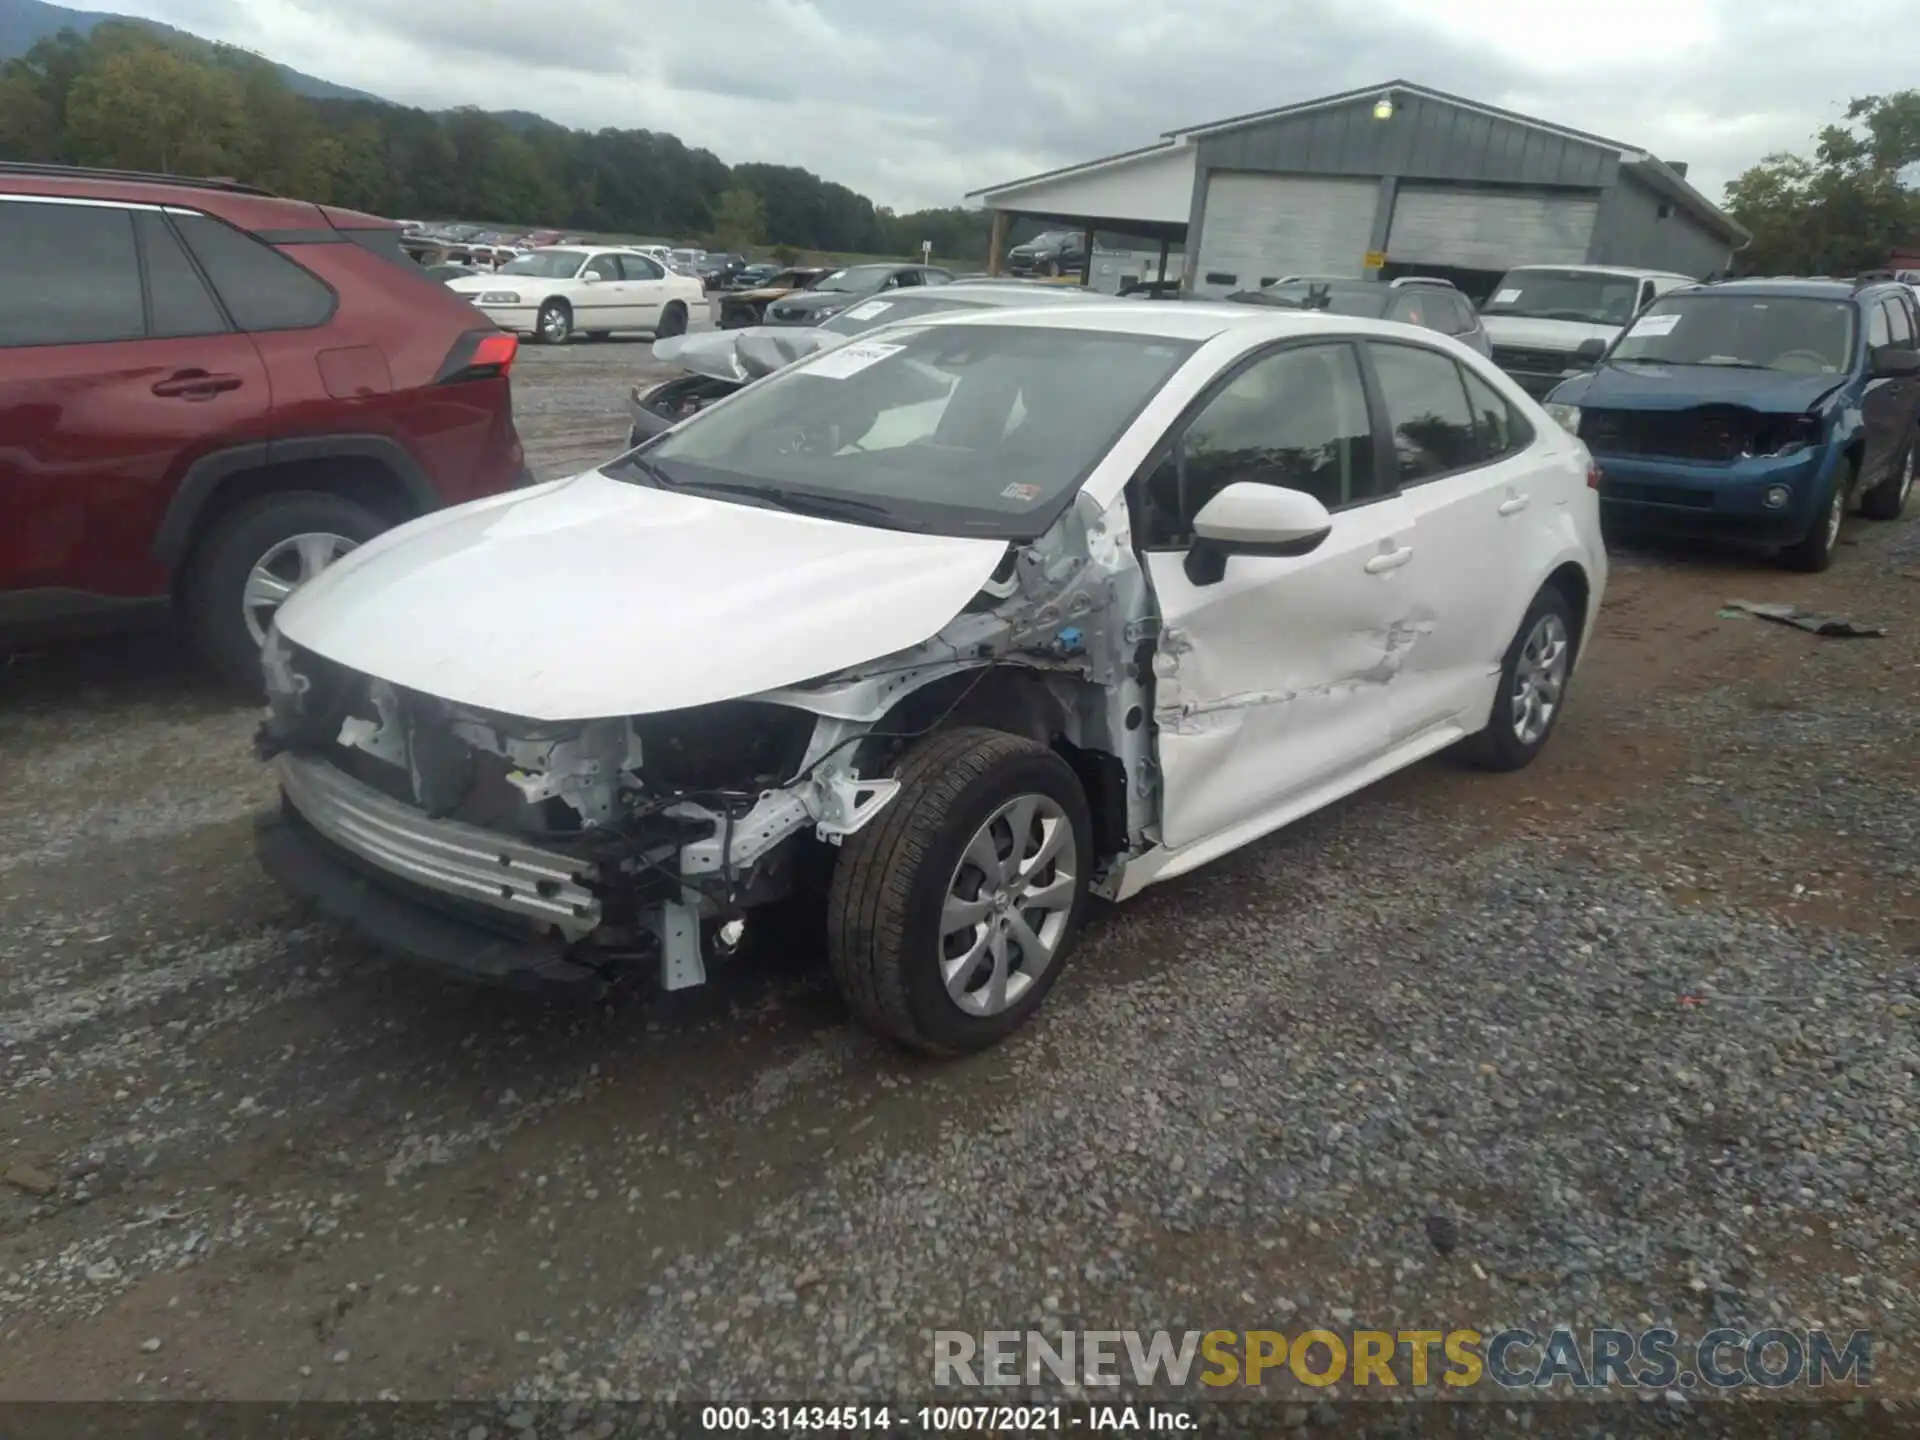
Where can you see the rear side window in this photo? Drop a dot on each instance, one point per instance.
(261, 288)
(69, 275)
(1500, 428)
(384, 243)
(181, 304)
(1898, 325)
(639, 267)
(1879, 333)
(1433, 432)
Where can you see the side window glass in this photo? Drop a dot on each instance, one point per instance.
(68, 275)
(639, 267)
(261, 288)
(1498, 425)
(181, 304)
(907, 277)
(1879, 329)
(1898, 323)
(607, 267)
(1647, 292)
(1433, 433)
(1297, 419)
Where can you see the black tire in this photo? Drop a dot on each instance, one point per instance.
(1888, 499)
(1813, 552)
(673, 320)
(1501, 746)
(215, 581)
(890, 885)
(1047, 267)
(554, 324)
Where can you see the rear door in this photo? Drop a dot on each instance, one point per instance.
(1889, 402)
(1477, 501)
(646, 287)
(117, 371)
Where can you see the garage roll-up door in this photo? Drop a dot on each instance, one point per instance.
(1260, 227)
(1489, 230)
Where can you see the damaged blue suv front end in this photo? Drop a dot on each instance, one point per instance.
(1749, 411)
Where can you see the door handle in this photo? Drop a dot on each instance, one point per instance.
(1514, 504)
(194, 385)
(1389, 560)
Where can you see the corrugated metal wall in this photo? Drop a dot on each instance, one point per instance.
(1425, 139)
(1630, 231)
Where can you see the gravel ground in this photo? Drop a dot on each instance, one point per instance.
(1634, 1031)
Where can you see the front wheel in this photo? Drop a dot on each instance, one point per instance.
(1814, 550)
(1533, 686)
(1888, 499)
(951, 915)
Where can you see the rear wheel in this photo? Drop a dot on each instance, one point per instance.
(673, 320)
(1533, 686)
(951, 915)
(554, 323)
(252, 560)
(1888, 499)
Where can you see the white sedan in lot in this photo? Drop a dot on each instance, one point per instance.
(559, 291)
(935, 633)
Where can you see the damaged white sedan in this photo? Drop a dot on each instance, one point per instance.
(933, 635)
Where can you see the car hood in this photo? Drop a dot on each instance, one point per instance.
(1637, 385)
(591, 597)
(747, 353)
(1530, 334)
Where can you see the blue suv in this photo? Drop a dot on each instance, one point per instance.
(1755, 410)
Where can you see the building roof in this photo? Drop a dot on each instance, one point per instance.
(1649, 168)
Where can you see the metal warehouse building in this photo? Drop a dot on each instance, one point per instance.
(1391, 180)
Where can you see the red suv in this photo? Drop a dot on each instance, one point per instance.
(208, 393)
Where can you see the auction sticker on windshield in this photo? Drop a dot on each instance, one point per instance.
(869, 310)
(850, 360)
(1654, 325)
(1506, 297)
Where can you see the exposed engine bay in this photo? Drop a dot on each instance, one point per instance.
(649, 839)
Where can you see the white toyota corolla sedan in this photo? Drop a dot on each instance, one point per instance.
(930, 636)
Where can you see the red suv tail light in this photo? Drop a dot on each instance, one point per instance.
(1593, 474)
(479, 355)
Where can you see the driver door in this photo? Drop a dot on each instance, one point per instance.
(1274, 682)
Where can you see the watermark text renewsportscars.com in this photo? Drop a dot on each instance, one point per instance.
(1655, 1359)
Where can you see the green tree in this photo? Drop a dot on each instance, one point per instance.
(739, 220)
(153, 109)
(1845, 209)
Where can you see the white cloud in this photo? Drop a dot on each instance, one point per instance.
(917, 105)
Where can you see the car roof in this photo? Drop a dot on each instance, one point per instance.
(1623, 271)
(1791, 287)
(1170, 319)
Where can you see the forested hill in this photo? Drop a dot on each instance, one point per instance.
(130, 95)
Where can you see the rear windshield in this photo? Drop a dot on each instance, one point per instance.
(982, 430)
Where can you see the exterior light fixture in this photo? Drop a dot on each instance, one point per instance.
(1383, 107)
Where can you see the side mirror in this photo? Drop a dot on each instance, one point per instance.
(1248, 518)
(1587, 354)
(1890, 362)
(589, 277)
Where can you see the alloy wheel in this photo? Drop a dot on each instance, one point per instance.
(1008, 905)
(283, 570)
(1539, 679)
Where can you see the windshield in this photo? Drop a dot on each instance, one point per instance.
(546, 264)
(1580, 295)
(856, 278)
(1756, 332)
(870, 313)
(983, 430)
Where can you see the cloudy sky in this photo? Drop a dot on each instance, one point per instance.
(915, 102)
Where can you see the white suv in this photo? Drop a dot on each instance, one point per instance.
(1547, 322)
(937, 633)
